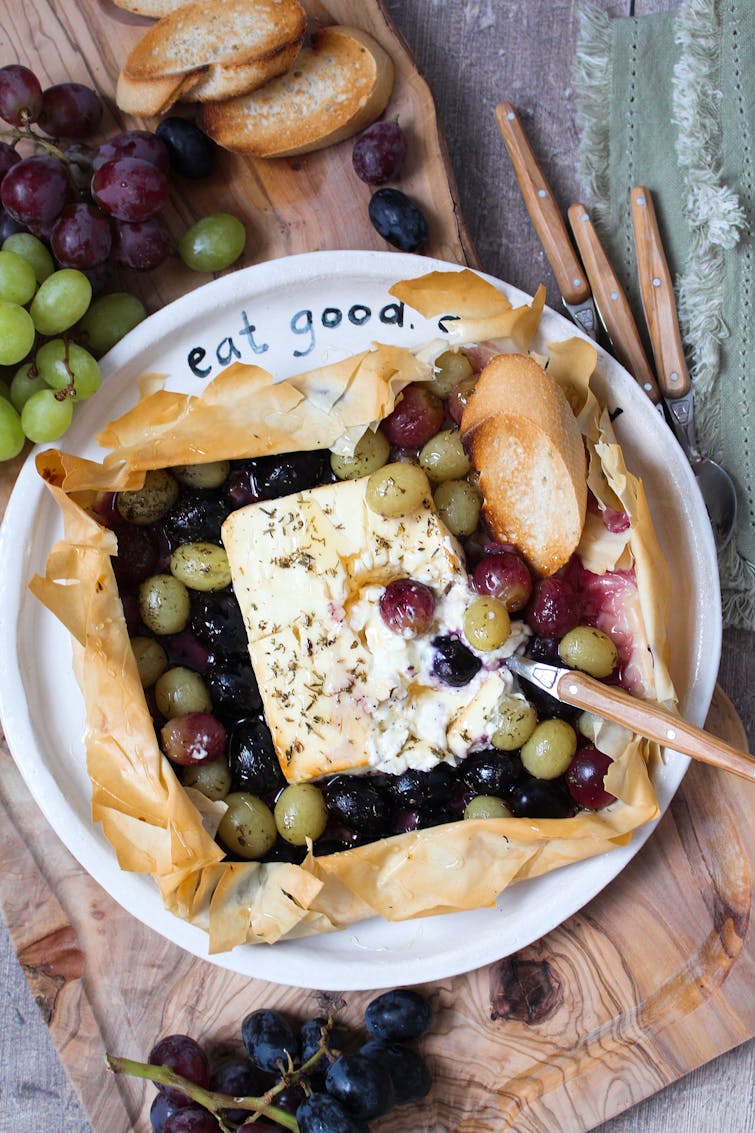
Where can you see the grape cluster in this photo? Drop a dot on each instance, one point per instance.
(315, 1077)
(69, 211)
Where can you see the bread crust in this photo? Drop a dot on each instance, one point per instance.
(524, 441)
(340, 84)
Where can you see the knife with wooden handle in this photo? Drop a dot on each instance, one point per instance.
(613, 305)
(547, 221)
(640, 716)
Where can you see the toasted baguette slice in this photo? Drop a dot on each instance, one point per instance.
(154, 8)
(524, 440)
(339, 85)
(150, 97)
(233, 32)
(223, 80)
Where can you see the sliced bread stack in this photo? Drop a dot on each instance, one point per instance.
(524, 440)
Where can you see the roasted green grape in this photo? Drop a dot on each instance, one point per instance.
(164, 604)
(486, 806)
(458, 504)
(151, 502)
(179, 691)
(300, 813)
(370, 454)
(550, 749)
(517, 720)
(151, 659)
(397, 489)
(209, 475)
(486, 623)
(201, 566)
(212, 778)
(443, 457)
(590, 650)
(247, 828)
(451, 367)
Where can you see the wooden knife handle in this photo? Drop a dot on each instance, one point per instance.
(658, 301)
(612, 302)
(543, 210)
(655, 723)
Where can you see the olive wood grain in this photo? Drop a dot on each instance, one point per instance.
(612, 303)
(654, 723)
(657, 292)
(542, 207)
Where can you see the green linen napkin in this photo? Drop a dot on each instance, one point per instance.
(668, 101)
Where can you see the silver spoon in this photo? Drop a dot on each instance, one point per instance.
(715, 484)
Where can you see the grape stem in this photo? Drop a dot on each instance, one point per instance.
(19, 135)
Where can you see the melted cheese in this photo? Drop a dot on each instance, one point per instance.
(341, 691)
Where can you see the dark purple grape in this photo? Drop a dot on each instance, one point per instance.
(406, 819)
(100, 277)
(190, 152)
(290, 1098)
(136, 557)
(379, 153)
(409, 1073)
(218, 623)
(321, 1113)
(362, 1085)
(142, 246)
(310, 1038)
(398, 220)
(240, 488)
(129, 189)
(134, 143)
(407, 607)
(555, 608)
(193, 738)
(237, 1077)
(20, 94)
(269, 1040)
(544, 649)
(453, 663)
(252, 759)
(335, 838)
(276, 476)
(505, 576)
(131, 615)
(584, 779)
(492, 772)
(401, 1015)
(197, 517)
(540, 798)
(357, 803)
(417, 417)
(184, 649)
(70, 110)
(80, 164)
(233, 688)
(34, 191)
(80, 237)
(194, 1120)
(9, 226)
(8, 157)
(185, 1057)
(425, 789)
(162, 1108)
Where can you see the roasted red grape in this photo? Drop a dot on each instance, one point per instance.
(70, 110)
(417, 417)
(35, 189)
(407, 607)
(80, 237)
(584, 779)
(134, 143)
(554, 609)
(458, 398)
(142, 246)
(20, 94)
(129, 188)
(379, 153)
(193, 738)
(505, 576)
(185, 1057)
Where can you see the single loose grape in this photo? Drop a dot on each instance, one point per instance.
(33, 251)
(397, 489)
(213, 243)
(201, 566)
(370, 453)
(16, 333)
(550, 749)
(180, 690)
(590, 650)
(109, 319)
(451, 367)
(486, 624)
(212, 778)
(151, 659)
(210, 475)
(44, 418)
(458, 504)
(25, 382)
(59, 362)
(17, 279)
(61, 301)
(11, 432)
(486, 806)
(443, 457)
(164, 604)
(300, 813)
(151, 502)
(517, 721)
(193, 737)
(247, 828)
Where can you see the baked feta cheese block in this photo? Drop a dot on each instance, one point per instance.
(342, 692)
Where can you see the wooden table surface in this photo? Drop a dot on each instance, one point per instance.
(473, 53)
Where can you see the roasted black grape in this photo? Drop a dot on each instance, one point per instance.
(233, 688)
(218, 623)
(492, 772)
(453, 663)
(196, 517)
(541, 798)
(252, 759)
(357, 803)
(425, 789)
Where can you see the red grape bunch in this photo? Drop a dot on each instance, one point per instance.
(69, 211)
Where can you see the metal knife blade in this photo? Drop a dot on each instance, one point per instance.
(640, 716)
(548, 222)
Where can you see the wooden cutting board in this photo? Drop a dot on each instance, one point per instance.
(650, 980)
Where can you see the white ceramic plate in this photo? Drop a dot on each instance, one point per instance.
(292, 315)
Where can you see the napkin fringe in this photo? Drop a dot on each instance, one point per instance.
(593, 76)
